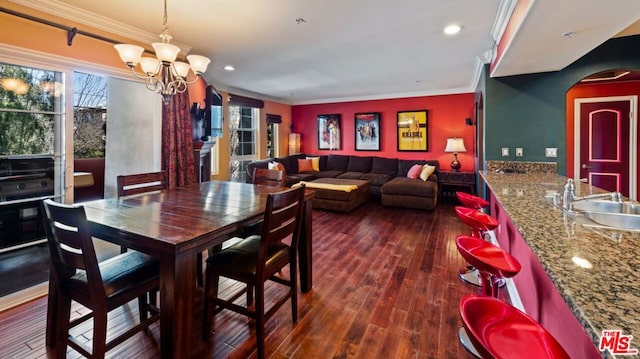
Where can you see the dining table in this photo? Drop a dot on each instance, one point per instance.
(175, 225)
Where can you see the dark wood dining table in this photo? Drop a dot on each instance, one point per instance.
(174, 225)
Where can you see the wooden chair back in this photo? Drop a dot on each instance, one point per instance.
(141, 183)
(70, 245)
(267, 177)
(282, 218)
(77, 275)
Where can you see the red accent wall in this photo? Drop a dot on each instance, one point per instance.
(446, 118)
(628, 88)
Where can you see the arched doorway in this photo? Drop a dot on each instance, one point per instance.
(603, 110)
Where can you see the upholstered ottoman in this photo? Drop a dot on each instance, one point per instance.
(336, 194)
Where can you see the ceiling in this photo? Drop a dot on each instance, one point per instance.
(309, 51)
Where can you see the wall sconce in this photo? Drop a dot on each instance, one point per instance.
(294, 143)
(455, 145)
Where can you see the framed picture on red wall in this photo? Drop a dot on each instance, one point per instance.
(367, 131)
(412, 131)
(329, 132)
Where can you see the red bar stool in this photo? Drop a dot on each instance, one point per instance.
(471, 201)
(480, 223)
(498, 330)
(493, 264)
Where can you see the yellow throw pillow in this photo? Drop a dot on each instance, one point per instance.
(315, 163)
(427, 170)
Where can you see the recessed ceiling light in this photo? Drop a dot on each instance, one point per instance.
(229, 68)
(452, 29)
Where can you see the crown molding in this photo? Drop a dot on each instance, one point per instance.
(505, 9)
(15, 54)
(453, 91)
(103, 23)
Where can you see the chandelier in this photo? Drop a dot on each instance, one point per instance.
(163, 73)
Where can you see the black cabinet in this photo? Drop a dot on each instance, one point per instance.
(449, 182)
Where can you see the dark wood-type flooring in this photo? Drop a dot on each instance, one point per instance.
(385, 285)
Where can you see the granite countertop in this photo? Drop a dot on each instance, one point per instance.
(607, 296)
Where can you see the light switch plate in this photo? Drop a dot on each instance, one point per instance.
(518, 152)
(505, 151)
(551, 152)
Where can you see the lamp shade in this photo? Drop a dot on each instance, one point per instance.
(455, 145)
(129, 54)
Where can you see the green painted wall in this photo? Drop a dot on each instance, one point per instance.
(528, 111)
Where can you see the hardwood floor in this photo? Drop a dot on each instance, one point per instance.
(385, 286)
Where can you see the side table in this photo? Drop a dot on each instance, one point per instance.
(449, 182)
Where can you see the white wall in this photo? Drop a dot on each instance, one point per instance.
(134, 126)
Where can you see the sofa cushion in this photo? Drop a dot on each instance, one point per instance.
(290, 162)
(337, 162)
(315, 163)
(377, 179)
(274, 165)
(414, 171)
(351, 175)
(427, 171)
(385, 165)
(410, 187)
(297, 177)
(405, 165)
(329, 174)
(305, 166)
(359, 164)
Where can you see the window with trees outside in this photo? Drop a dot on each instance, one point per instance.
(30, 108)
(89, 115)
(242, 140)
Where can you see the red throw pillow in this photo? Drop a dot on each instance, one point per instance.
(305, 165)
(414, 171)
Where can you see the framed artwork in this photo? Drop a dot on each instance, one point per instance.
(412, 131)
(367, 131)
(329, 132)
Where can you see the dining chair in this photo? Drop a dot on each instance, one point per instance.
(99, 286)
(264, 176)
(256, 259)
(141, 183)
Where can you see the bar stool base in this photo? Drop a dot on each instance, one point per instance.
(466, 342)
(471, 275)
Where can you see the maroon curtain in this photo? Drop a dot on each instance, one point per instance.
(177, 143)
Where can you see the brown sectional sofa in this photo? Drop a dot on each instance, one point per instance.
(388, 177)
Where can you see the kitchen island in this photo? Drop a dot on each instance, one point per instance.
(577, 280)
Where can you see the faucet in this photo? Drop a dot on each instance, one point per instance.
(569, 195)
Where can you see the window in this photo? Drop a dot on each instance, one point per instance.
(30, 109)
(89, 115)
(243, 123)
(272, 139)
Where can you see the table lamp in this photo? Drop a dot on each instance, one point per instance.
(455, 145)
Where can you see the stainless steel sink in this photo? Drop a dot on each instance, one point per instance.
(616, 215)
(607, 206)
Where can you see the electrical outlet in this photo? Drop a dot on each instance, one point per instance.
(518, 152)
(505, 151)
(551, 152)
